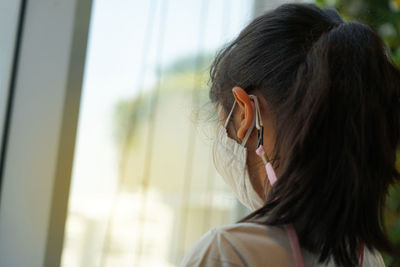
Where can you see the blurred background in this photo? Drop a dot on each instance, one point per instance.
(144, 188)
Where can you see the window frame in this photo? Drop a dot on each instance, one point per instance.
(38, 151)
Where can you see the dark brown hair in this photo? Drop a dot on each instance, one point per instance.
(334, 93)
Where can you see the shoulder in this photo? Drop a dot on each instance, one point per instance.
(240, 244)
(213, 248)
(373, 257)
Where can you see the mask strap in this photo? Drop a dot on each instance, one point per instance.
(230, 114)
(260, 148)
(246, 137)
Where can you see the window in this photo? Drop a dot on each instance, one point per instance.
(144, 188)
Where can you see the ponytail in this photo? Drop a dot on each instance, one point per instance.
(338, 137)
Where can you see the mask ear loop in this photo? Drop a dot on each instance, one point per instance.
(260, 151)
(230, 114)
(246, 137)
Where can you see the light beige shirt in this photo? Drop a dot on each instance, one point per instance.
(251, 244)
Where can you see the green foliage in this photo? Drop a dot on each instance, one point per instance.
(381, 15)
(131, 113)
(183, 76)
(384, 17)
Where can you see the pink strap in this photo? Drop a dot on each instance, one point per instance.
(268, 167)
(361, 254)
(271, 174)
(294, 243)
(298, 257)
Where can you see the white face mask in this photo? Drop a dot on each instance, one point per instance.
(230, 162)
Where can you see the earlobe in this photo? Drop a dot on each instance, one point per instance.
(246, 110)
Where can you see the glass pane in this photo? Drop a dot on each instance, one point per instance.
(9, 19)
(144, 188)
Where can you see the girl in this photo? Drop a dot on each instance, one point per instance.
(310, 123)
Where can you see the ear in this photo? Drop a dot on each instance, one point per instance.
(246, 111)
